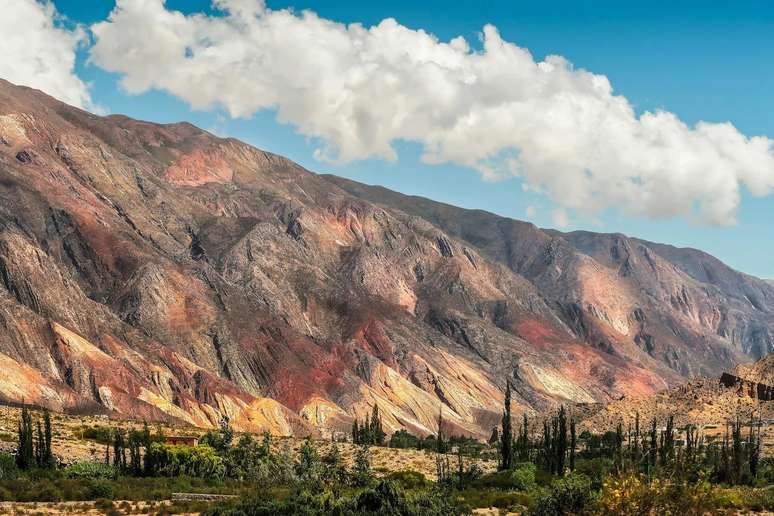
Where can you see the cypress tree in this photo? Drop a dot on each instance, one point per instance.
(377, 432)
(506, 439)
(495, 437)
(440, 445)
(366, 437)
(25, 454)
(460, 469)
(523, 439)
(135, 463)
(39, 445)
(653, 445)
(48, 454)
(736, 457)
(547, 448)
(554, 445)
(619, 447)
(355, 432)
(561, 441)
(725, 462)
(755, 450)
(119, 450)
(669, 440)
(573, 444)
(146, 443)
(636, 448)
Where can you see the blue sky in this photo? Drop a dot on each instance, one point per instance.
(699, 60)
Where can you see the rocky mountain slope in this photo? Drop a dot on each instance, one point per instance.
(746, 391)
(161, 272)
(682, 307)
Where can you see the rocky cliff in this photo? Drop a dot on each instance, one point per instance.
(747, 388)
(161, 272)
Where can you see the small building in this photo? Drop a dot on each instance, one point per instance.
(181, 440)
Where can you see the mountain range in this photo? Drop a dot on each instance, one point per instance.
(161, 272)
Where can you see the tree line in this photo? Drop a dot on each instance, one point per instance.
(369, 432)
(34, 442)
(652, 452)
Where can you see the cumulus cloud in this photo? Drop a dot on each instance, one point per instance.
(36, 50)
(497, 110)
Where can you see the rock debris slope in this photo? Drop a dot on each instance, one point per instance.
(160, 272)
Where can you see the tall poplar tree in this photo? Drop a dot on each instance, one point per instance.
(506, 438)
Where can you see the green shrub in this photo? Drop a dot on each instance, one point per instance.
(520, 478)
(409, 480)
(511, 501)
(100, 488)
(97, 433)
(385, 499)
(6, 495)
(596, 469)
(74, 490)
(47, 491)
(91, 470)
(195, 461)
(8, 468)
(402, 439)
(633, 494)
(104, 504)
(568, 495)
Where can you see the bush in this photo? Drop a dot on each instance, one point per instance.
(195, 461)
(48, 492)
(509, 501)
(409, 480)
(385, 499)
(8, 468)
(631, 494)
(568, 495)
(101, 489)
(752, 499)
(91, 470)
(519, 478)
(6, 495)
(404, 440)
(596, 469)
(100, 434)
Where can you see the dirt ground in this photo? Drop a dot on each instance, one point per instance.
(78, 508)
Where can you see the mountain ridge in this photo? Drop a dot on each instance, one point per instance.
(162, 272)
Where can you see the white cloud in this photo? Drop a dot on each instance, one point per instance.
(358, 89)
(560, 218)
(530, 212)
(37, 51)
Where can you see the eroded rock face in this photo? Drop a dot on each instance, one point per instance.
(160, 272)
(648, 302)
(748, 388)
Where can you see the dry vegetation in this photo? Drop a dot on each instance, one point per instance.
(704, 403)
(70, 446)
